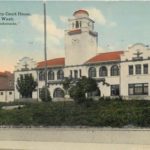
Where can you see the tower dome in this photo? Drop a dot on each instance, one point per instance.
(81, 13)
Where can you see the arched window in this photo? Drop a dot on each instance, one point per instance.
(60, 74)
(58, 92)
(41, 75)
(114, 70)
(77, 24)
(92, 72)
(51, 75)
(103, 71)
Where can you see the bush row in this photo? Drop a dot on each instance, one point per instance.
(113, 113)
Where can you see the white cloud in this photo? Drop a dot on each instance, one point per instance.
(55, 35)
(97, 15)
(112, 24)
(52, 30)
(64, 19)
(6, 41)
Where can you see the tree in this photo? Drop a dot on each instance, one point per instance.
(26, 85)
(82, 87)
(43, 95)
(66, 84)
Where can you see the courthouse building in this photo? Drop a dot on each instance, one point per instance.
(126, 72)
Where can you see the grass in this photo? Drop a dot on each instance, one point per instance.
(108, 113)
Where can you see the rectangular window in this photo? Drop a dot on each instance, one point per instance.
(145, 69)
(80, 73)
(70, 73)
(1, 93)
(10, 93)
(138, 89)
(75, 74)
(138, 69)
(115, 90)
(131, 70)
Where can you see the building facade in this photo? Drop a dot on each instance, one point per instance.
(125, 72)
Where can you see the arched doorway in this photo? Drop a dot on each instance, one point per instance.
(58, 93)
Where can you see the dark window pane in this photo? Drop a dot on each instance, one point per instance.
(92, 72)
(145, 68)
(58, 93)
(131, 70)
(138, 69)
(60, 74)
(103, 71)
(115, 90)
(114, 70)
(138, 89)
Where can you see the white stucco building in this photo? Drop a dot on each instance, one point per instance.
(126, 72)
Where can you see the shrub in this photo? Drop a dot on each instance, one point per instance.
(43, 93)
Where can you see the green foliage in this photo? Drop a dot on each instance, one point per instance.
(43, 93)
(83, 86)
(108, 113)
(66, 84)
(77, 93)
(26, 85)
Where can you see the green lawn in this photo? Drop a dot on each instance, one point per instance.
(101, 113)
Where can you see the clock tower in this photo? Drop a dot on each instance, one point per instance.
(80, 39)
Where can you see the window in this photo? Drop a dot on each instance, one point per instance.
(138, 89)
(70, 73)
(80, 73)
(10, 93)
(114, 70)
(58, 92)
(145, 69)
(138, 69)
(72, 25)
(115, 90)
(41, 75)
(77, 24)
(75, 74)
(60, 74)
(1, 93)
(51, 75)
(103, 71)
(131, 70)
(92, 72)
(80, 24)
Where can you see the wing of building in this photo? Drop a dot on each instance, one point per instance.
(126, 71)
(6, 87)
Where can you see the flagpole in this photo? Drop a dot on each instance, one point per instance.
(45, 48)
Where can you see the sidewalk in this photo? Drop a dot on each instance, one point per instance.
(74, 139)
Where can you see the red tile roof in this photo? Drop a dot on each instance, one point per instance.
(6, 81)
(102, 57)
(75, 31)
(105, 57)
(81, 11)
(52, 63)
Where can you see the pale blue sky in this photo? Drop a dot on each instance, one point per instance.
(119, 24)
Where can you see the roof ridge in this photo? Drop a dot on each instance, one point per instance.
(110, 52)
(52, 59)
